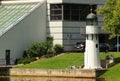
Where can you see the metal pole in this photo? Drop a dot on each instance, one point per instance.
(117, 43)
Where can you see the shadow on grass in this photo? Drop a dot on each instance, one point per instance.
(102, 71)
(117, 60)
(99, 72)
(100, 79)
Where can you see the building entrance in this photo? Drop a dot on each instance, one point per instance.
(7, 53)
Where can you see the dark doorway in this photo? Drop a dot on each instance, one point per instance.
(7, 52)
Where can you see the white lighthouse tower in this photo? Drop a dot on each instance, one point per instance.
(92, 57)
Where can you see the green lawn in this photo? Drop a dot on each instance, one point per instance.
(113, 73)
(63, 61)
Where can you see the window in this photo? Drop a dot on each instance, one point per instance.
(56, 12)
(70, 12)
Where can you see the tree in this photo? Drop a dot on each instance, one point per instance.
(48, 44)
(111, 17)
(38, 49)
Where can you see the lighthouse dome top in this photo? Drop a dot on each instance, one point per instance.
(91, 19)
(91, 16)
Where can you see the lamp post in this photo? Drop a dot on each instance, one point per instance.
(91, 56)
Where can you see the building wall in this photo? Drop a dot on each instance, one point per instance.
(84, 1)
(68, 33)
(73, 73)
(78, 1)
(73, 32)
(17, 39)
(54, 1)
(55, 29)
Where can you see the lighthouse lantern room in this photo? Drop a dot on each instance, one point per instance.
(92, 57)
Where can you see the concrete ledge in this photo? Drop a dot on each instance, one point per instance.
(82, 73)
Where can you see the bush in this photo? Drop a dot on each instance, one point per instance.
(26, 60)
(58, 48)
(39, 49)
(33, 50)
(48, 44)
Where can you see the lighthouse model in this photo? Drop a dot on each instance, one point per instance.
(92, 57)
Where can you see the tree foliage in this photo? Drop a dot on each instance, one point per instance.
(111, 13)
(38, 49)
(58, 48)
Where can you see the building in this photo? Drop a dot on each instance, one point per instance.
(21, 23)
(66, 20)
(26, 21)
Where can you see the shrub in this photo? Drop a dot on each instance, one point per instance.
(48, 44)
(58, 48)
(26, 60)
(39, 49)
(34, 49)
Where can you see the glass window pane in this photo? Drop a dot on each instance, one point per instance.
(75, 18)
(55, 6)
(56, 11)
(71, 12)
(56, 17)
(66, 17)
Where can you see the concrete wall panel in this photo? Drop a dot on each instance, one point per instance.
(17, 39)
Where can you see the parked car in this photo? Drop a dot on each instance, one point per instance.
(80, 46)
(105, 47)
(115, 47)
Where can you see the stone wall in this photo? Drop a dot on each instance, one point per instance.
(54, 73)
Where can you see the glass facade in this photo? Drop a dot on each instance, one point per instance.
(70, 12)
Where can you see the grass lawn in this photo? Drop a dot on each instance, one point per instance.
(113, 73)
(63, 61)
